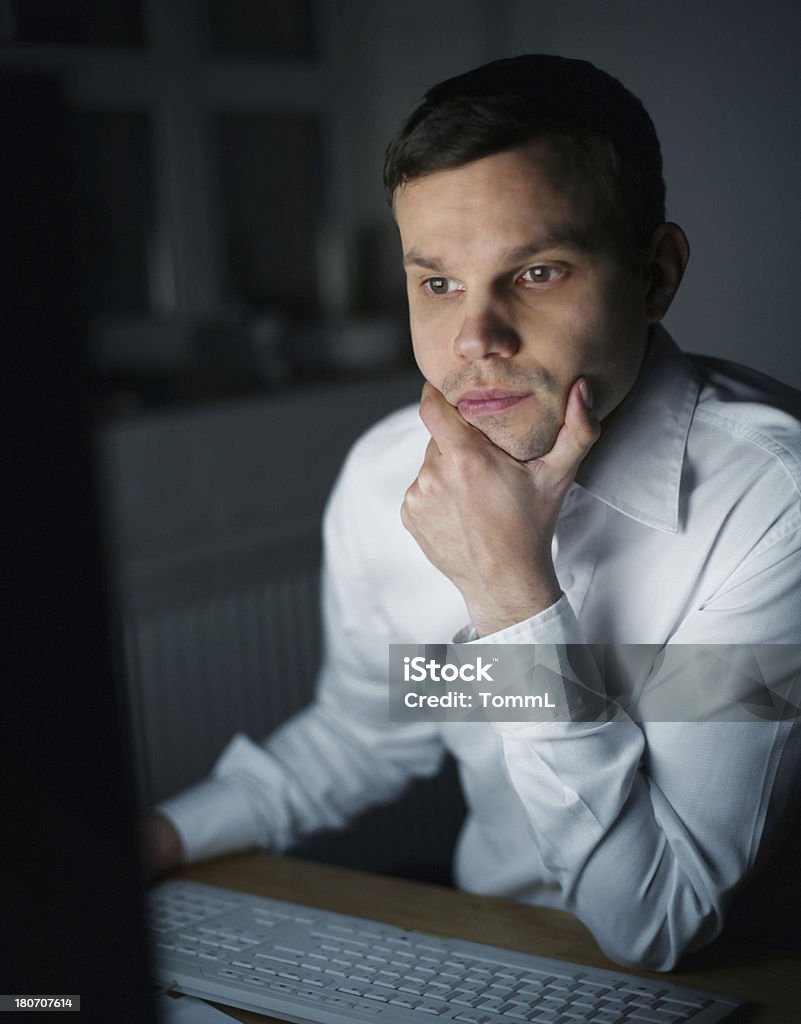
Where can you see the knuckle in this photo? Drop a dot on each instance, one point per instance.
(463, 461)
(588, 435)
(407, 511)
(424, 480)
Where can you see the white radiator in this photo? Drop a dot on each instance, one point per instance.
(206, 668)
(246, 659)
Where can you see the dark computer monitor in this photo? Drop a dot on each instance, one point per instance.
(71, 912)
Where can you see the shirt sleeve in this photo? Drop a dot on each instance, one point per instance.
(652, 827)
(338, 756)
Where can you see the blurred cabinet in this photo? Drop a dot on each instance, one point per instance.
(207, 147)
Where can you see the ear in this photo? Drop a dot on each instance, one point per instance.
(668, 254)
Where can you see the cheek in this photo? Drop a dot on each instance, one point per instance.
(425, 353)
(430, 346)
(611, 339)
(603, 324)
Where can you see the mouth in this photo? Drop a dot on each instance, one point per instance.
(487, 401)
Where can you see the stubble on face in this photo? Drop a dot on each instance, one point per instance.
(504, 430)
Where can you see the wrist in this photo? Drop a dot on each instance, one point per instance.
(162, 849)
(491, 614)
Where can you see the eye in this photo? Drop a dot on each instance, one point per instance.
(541, 274)
(441, 285)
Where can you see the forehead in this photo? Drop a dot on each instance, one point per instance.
(533, 189)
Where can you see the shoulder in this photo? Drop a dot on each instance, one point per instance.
(391, 449)
(380, 466)
(748, 416)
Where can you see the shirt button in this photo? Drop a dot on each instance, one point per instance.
(567, 580)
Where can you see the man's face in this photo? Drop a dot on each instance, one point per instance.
(513, 295)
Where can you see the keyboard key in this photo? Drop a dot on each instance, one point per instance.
(530, 989)
(611, 1002)
(671, 1016)
(672, 1002)
(272, 958)
(465, 999)
(488, 1003)
(282, 986)
(631, 989)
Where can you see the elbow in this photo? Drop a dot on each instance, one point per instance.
(650, 959)
(661, 940)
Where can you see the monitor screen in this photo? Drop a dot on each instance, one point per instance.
(71, 918)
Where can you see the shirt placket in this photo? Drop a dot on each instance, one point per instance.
(573, 551)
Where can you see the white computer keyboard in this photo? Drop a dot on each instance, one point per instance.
(312, 966)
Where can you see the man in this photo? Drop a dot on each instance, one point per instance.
(572, 479)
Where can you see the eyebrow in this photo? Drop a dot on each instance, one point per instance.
(572, 239)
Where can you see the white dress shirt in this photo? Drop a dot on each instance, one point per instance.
(684, 527)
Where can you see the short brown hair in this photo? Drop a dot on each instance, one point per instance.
(589, 116)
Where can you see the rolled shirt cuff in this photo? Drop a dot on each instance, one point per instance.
(219, 815)
(556, 653)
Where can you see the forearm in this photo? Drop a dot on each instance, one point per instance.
(650, 864)
(648, 827)
(317, 771)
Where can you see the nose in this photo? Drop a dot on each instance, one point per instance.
(485, 333)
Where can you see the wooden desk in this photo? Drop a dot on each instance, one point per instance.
(772, 984)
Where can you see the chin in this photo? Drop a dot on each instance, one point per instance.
(525, 446)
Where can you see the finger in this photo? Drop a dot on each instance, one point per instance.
(432, 453)
(578, 434)
(429, 468)
(445, 423)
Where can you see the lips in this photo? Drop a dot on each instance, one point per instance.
(488, 401)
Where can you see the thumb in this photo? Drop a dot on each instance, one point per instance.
(578, 434)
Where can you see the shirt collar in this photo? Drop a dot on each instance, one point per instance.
(636, 466)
